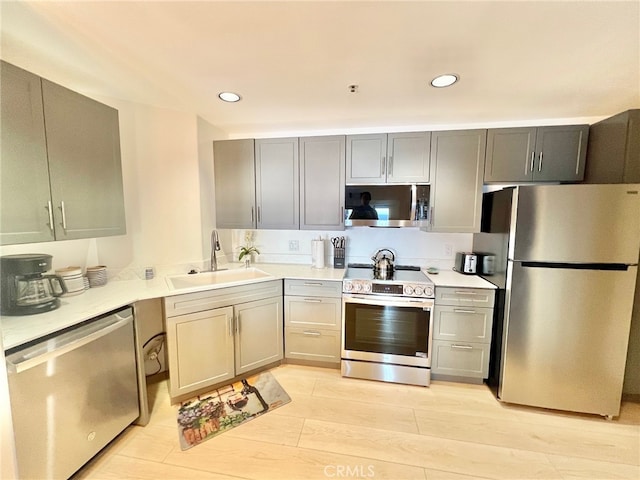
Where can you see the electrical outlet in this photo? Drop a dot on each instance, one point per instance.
(448, 250)
(294, 245)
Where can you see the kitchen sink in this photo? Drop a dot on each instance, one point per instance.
(217, 278)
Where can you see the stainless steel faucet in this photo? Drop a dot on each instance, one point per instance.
(215, 247)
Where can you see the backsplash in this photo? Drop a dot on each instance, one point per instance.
(411, 245)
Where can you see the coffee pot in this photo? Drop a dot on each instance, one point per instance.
(24, 289)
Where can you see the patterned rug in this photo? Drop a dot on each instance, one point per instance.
(208, 415)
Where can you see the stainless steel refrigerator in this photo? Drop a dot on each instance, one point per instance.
(567, 259)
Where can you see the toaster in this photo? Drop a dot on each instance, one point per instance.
(466, 262)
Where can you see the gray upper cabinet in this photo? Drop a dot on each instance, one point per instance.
(234, 172)
(613, 155)
(83, 145)
(542, 154)
(388, 158)
(322, 182)
(457, 163)
(70, 146)
(25, 198)
(277, 183)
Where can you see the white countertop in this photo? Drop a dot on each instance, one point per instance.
(451, 278)
(115, 294)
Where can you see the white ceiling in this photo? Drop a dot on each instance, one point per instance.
(520, 62)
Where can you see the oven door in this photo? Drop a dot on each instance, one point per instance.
(385, 329)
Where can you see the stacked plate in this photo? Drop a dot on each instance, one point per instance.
(73, 280)
(97, 276)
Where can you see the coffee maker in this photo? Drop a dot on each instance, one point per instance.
(24, 289)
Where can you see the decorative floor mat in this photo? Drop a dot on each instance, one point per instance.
(208, 415)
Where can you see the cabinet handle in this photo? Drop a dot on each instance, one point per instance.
(430, 221)
(237, 322)
(49, 208)
(462, 292)
(533, 156)
(540, 162)
(230, 325)
(460, 310)
(311, 333)
(312, 284)
(341, 215)
(313, 300)
(382, 164)
(252, 215)
(462, 347)
(64, 216)
(259, 216)
(390, 168)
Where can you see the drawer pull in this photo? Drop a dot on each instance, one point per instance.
(462, 347)
(462, 310)
(313, 284)
(313, 300)
(311, 333)
(464, 292)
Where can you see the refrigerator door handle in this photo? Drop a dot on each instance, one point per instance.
(621, 267)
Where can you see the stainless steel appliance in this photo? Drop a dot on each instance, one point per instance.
(383, 264)
(387, 325)
(566, 267)
(466, 262)
(386, 205)
(25, 290)
(71, 394)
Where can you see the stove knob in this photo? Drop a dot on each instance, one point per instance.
(428, 292)
(367, 287)
(357, 287)
(418, 290)
(408, 290)
(348, 286)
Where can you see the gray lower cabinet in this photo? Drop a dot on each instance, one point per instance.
(536, 154)
(457, 163)
(61, 166)
(215, 335)
(463, 319)
(322, 182)
(613, 155)
(313, 320)
(234, 179)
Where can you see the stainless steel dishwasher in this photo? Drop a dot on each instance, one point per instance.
(72, 393)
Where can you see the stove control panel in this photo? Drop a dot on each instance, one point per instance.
(395, 289)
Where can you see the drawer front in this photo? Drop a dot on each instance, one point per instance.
(463, 359)
(313, 288)
(312, 344)
(469, 324)
(477, 297)
(313, 312)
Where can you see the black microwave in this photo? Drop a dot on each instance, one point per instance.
(386, 205)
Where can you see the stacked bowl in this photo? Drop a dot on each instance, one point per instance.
(73, 280)
(97, 275)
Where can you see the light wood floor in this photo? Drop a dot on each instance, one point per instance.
(337, 428)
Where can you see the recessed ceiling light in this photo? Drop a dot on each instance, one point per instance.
(444, 80)
(229, 97)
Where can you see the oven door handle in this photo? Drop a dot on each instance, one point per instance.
(389, 301)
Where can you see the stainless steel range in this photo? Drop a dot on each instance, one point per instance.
(387, 324)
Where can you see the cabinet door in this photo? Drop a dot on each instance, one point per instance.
(322, 173)
(366, 159)
(25, 199)
(200, 349)
(561, 153)
(234, 173)
(277, 183)
(258, 333)
(83, 145)
(408, 157)
(457, 164)
(510, 155)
